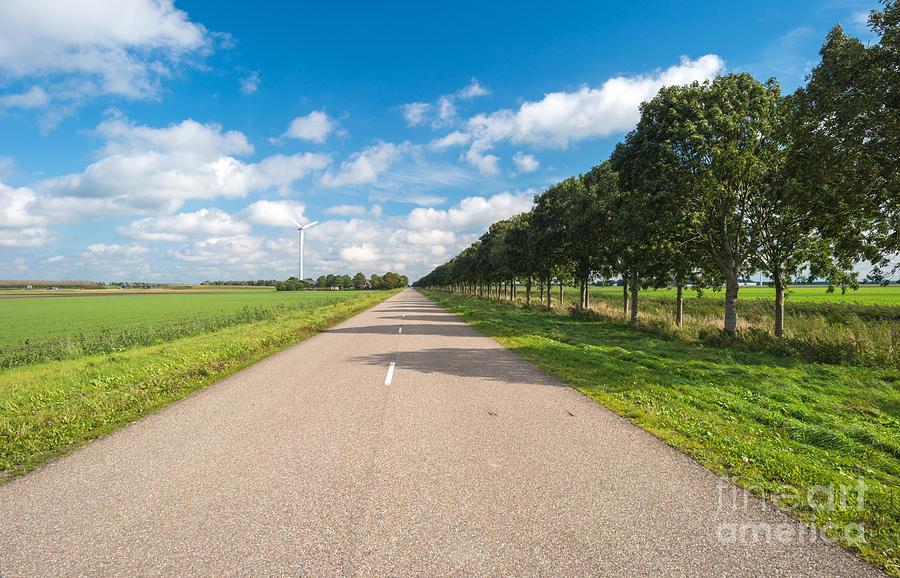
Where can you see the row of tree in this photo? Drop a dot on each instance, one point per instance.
(719, 181)
(257, 283)
(389, 280)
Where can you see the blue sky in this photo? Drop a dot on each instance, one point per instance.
(143, 140)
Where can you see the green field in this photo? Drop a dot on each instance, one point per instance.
(37, 329)
(49, 408)
(865, 295)
(858, 328)
(768, 422)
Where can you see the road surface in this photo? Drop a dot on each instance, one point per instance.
(399, 442)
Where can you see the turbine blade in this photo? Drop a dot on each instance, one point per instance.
(308, 225)
(292, 219)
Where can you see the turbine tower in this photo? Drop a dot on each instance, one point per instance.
(301, 228)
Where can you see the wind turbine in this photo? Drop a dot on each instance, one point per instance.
(301, 228)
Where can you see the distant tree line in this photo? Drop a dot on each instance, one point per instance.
(389, 280)
(257, 283)
(11, 284)
(717, 182)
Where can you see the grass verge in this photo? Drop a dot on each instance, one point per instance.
(51, 408)
(769, 423)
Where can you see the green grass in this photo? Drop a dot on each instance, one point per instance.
(816, 329)
(50, 408)
(765, 421)
(865, 295)
(41, 329)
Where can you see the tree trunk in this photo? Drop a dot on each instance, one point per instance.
(634, 298)
(528, 291)
(731, 295)
(779, 306)
(549, 293)
(561, 302)
(587, 293)
(581, 295)
(625, 295)
(679, 305)
(542, 291)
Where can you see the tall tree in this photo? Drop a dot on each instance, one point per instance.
(705, 150)
(847, 141)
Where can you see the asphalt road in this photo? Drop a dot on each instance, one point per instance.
(364, 450)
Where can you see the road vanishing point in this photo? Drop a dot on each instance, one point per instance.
(401, 441)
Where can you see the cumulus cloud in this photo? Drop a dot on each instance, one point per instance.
(273, 213)
(360, 254)
(561, 118)
(224, 250)
(415, 113)
(484, 162)
(346, 210)
(35, 97)
(525, 163)
(28, 237)
(155, 170)
(102, 251)
(455, 138)
(472, 90)
(315, 127)
(250, 82)
(443, 111)
(471, 212)
(183, 226)
(18, 207)
(123, 47)
(365, 166)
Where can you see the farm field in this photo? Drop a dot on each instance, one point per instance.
(863, 328)
(865, 295)
(64, 327)
(51, 407)
(768, 422)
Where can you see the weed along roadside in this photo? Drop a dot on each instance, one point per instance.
(48, 409)
(820, 440)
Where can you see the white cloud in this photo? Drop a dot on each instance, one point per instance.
(183, 226)
(446, 107)
(455, 138)
(273, 213)
(561, 118)
(315, 127)
(365, 166)
(188, 137)
(225, 250)
(471, 213)
(28, 237)
(485, 163)
(472, 90)
(36, 97)
(415, 113)
(346, 210)
(443, 111)
(18, 208)
(101, 251)
(152, 170)
(122, 47)
(525, 163)
(250, 83)
(360, 254)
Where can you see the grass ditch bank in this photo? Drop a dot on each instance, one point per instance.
(51, 408)
(769, 423)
